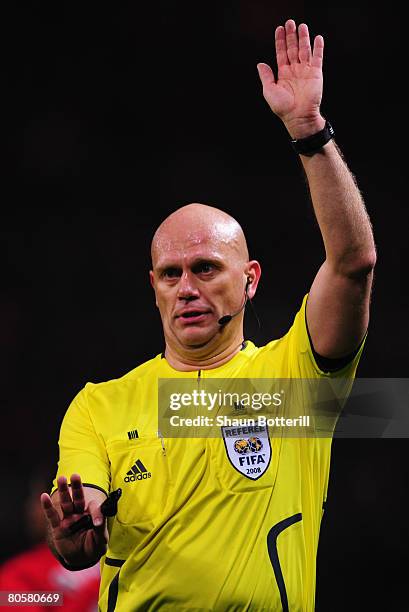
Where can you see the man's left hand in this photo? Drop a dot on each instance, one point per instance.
(296, 95)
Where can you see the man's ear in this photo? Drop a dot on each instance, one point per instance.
(253, 276)
(152, 281)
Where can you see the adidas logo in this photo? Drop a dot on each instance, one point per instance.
(137, 472)
(239, 406)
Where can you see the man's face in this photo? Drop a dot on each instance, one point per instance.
(198, 277)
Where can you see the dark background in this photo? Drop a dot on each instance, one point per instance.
(113, 118)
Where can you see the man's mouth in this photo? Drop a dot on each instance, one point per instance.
(193, 316)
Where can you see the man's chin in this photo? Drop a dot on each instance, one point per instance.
(195, 339)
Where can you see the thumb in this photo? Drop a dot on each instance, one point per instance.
(98, 518)
(99, 535)
(266, 74)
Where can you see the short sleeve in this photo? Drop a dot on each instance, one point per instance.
(321, 394)
(302, 360)
(82, 450)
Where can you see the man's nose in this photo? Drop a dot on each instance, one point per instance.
(187, 288)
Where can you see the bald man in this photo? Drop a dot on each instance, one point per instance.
(230, 522)
(204, 243)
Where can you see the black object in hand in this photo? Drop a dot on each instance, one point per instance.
(108, 508)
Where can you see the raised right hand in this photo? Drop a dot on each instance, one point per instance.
(85, 547)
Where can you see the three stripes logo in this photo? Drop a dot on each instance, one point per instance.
(137, 472)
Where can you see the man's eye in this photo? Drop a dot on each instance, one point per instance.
(204, 268)
(171, 273)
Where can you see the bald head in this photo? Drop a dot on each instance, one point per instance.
(195, 224)
(201, 272)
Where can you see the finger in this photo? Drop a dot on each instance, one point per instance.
(266, 75)
(99, 537)
(77, 490)
(49, 510)
(304, 45)
(281, 47)
(66, 504)
(98, 518)
(291, 40)
(318, 52)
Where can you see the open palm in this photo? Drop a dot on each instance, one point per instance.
(296, 95)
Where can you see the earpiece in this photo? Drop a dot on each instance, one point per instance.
(227, 318)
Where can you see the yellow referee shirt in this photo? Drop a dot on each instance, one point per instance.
(192, 532)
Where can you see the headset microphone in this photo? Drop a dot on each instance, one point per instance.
(227, 318)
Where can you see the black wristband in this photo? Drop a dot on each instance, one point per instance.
(73, 568)
(312, 144)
